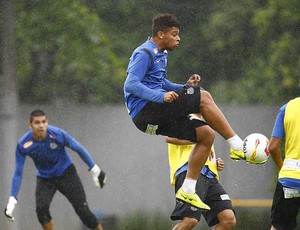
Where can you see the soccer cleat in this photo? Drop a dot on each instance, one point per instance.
(192, 199)
(237, 154)
(255, 162)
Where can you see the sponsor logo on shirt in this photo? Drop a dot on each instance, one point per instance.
(27, 144)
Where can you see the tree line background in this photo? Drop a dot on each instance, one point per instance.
(246, 51)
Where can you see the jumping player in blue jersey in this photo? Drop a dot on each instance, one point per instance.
(46, 145)
(160, 107)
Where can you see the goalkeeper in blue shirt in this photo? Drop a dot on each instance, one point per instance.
(46, 145)
(160, 107)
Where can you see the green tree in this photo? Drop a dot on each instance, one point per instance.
(278, 31)
(80, 49)
(64, 51)
(270, 71)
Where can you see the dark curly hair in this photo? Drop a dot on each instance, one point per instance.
(163, 22)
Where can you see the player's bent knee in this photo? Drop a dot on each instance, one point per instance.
(87, 217)
(206, 97)
(229, 223)
(189, 223)
(193, 223)
(205, 135)
(43, 215)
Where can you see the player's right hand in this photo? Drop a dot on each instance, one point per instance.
(170, 96)
(10, 208)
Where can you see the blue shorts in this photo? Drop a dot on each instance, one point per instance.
(170, 119)
(211, 192)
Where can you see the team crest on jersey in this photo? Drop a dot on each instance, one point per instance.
(155, 50)
(190, 90)
(27, 144)
(53, 145)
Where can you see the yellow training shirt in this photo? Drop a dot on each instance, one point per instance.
(179, 155)
(291, 165)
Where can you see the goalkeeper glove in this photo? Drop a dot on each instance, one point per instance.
(99, 177)
(10, 208)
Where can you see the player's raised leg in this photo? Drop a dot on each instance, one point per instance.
(216, 120)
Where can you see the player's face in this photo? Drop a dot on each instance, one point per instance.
(171, 38)
(39, 127)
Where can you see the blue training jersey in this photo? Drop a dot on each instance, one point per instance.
(49, 155)
(146, 78)
(278, 129)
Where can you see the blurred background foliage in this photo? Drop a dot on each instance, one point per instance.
(246, 51)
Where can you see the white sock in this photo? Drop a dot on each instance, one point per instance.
(235, 142)
(189, 185)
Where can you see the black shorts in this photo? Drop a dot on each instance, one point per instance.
(284, 211)
(170, 119)
(210, 192)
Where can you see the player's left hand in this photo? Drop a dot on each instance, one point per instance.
(220, 164)
(170, 96)
(99, 176)
(194, 80)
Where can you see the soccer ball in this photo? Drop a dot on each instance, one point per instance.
(255, 148)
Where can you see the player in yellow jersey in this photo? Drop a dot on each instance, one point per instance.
(208, 188)
(286, 201)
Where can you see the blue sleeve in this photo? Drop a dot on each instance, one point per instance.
(170, 86)
(18, 174)
(133, 83)
(73, 144)
(278, 129)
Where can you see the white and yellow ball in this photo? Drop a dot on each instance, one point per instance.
(255, 148)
